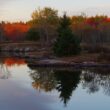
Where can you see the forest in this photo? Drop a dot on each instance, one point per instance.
(93, 32)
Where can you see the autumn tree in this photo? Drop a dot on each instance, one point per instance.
(45, 21)
(15, 31)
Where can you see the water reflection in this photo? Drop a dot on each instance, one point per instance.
(43, 79)
(67, 81)
(4, 72)
(64, 81)
(14, 61)
(8, 62)
(95, 79)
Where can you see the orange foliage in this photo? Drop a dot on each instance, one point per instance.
(14, 61)
(108, 19)
(95, 21)
(15, 31)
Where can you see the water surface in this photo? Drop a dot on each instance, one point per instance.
(30, 88)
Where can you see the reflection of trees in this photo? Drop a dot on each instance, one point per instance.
(43, 79)
(14, 61)
(62, 80)
(90, 81)
(4, 72)
(94, 79)
(6, 62)
(67, 82)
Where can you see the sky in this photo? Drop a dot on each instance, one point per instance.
(21, 10)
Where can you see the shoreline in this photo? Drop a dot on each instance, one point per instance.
(70, 65)
(34, 59)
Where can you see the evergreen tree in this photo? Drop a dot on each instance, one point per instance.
(66, 43)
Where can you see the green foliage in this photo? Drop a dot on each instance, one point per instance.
(45, 16)
(45, 21)
(32, 35)
(67, 43)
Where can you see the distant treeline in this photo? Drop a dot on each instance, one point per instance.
(44, 23)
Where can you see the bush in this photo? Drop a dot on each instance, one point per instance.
(32, 35)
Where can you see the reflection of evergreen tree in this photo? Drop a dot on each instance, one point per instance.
(67, 81)
(64, 81)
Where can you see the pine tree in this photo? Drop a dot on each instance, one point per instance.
(67, 43)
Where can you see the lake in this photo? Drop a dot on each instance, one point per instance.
(30, 88)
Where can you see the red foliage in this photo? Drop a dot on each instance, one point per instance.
(95, 21)
(15, 31)
(108, 20)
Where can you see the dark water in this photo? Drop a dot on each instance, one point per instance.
(31, 88)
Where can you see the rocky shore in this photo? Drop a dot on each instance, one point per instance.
(42, 58)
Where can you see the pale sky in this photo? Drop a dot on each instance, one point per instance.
(21, 10)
